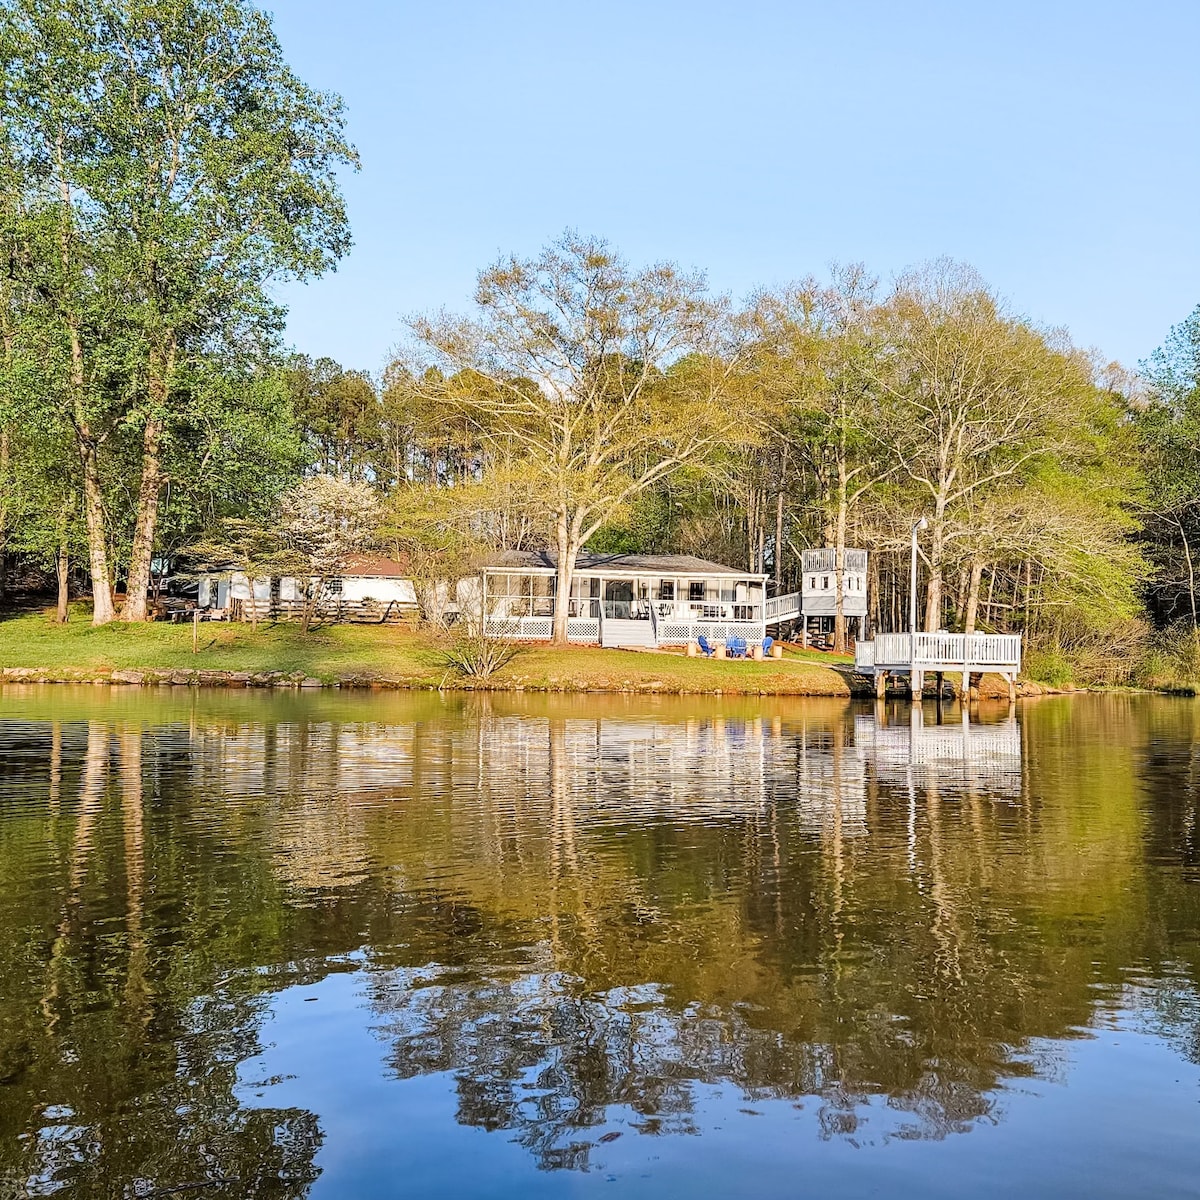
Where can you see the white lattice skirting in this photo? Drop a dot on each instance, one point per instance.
(541, 629)
(677, 633)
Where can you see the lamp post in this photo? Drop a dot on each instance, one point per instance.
(913, 676)
(923, 523)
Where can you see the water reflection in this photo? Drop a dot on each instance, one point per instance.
(577, 919)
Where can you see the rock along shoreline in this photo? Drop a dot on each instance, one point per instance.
(296, 680)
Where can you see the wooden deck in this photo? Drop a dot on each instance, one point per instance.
(919, 654)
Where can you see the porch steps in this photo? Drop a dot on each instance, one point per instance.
(619, 633)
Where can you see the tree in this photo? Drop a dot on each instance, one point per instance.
(324, 520)
(172, 166)
(241, 546)
(1168, 426)
(340, 414)
(818, 352)
(603, 379)
(975, 398)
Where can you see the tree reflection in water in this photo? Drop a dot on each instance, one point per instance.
(570, 908)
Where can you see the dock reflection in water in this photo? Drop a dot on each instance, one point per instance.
(292, 945)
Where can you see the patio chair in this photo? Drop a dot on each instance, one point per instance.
(705, 649)
(737, 647)
(768, 642)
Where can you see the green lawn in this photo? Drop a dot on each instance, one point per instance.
(397, 654)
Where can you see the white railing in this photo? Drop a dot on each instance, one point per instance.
(782, 608)
(931, 651)
(679, 633)
(825, 559)
(864, 656)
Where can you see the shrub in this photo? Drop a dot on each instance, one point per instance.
(1173, 663)
(471, 652)
(1049, 666)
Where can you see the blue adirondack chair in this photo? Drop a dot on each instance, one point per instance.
(705, 649)
(768, 642)
(737, 647)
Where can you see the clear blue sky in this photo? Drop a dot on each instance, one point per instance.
(1052, 145)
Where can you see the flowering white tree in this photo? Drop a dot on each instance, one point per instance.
(325, 520)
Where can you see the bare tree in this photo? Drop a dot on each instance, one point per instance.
(607, 378)
(976, 398)
(817, 354)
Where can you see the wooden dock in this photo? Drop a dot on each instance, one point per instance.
(916, 655)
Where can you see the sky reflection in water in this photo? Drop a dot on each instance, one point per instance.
(381, 945)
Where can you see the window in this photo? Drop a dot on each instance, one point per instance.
(695, 589)
(825, 582)
(812, 584)
(335, 587)
(666, 589)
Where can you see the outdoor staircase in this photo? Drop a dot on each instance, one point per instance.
(619, 633)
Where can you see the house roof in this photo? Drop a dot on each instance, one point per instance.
(616, 564)
(375, 566)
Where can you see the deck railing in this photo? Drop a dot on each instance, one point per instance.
(782, 608)
(934, 651)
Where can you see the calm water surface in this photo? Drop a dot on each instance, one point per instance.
(356, 946)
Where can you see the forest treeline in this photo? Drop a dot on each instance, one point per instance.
(162, 169)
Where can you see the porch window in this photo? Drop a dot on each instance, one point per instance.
(696, 589)
(666, 589)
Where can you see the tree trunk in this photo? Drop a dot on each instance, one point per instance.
(93, 494)
(311, 600)
(971, 610)
(960, 596)
(778, 564)
(937, 550)
(103, 610)
(4, 490)
(141, 558)
(62, 569)
(567, 536)
(839, 563)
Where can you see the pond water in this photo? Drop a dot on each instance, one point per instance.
(286, 945)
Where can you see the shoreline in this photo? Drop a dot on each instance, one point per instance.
(296, 681)
(850, 687)
(279, 657)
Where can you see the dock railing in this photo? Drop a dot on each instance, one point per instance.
(941, 651)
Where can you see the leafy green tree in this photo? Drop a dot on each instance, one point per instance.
(341, 416)
(1168, 424)
(178, 166)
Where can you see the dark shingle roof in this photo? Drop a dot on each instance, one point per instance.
(650, 564)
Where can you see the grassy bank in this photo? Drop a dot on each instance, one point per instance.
(392, 655)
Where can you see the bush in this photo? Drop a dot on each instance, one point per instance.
(1102, 657)
(473, 653)
(1049, 666)
(1172, 664)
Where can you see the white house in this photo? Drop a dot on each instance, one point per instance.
(818, 590)
(622, 599)
(369, 585)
